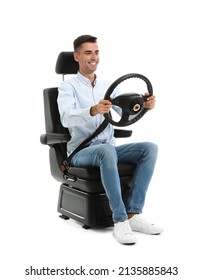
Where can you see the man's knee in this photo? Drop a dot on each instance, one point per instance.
(108, 152)
(152, 149)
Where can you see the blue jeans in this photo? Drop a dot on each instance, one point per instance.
(106, 157)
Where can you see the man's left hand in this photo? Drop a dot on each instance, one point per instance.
(150, 103)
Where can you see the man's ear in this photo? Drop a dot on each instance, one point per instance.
(75, 55)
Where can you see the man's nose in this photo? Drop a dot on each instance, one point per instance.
(94, 56)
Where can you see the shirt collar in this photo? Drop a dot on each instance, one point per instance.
(85, 80)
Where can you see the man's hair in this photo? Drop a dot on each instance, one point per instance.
(83, 39)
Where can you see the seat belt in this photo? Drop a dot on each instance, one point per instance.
(66, 163)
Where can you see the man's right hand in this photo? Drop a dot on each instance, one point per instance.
(102, 107)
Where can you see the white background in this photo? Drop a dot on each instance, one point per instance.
(160, 39)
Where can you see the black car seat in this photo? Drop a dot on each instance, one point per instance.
(81, 195)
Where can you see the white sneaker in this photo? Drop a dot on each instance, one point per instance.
(123, 233)
(137, 223)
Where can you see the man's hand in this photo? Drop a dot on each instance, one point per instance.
(102, 107)
(150, 103)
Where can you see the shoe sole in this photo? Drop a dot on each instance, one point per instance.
(157, 233)
(129, 244)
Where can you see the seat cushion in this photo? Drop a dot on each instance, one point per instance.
(89, 180)
(93, 173)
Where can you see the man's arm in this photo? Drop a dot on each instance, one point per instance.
(70, 115)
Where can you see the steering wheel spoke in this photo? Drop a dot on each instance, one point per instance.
(124, 119)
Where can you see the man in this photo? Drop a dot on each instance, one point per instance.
(81, 108)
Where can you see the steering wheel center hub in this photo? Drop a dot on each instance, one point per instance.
(136, 107)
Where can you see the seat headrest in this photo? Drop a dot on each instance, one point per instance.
(66, 64)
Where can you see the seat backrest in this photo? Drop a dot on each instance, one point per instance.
(52, 117)
(65, 65)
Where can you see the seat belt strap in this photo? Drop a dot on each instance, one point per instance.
(66, 163)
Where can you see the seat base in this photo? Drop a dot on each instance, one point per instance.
(92, 210)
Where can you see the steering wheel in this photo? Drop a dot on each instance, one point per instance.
(131, 104)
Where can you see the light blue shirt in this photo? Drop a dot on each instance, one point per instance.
(76, 96)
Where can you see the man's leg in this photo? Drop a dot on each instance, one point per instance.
(104, 156)
(144, 155)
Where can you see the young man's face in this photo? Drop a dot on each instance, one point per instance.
(87, 57)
